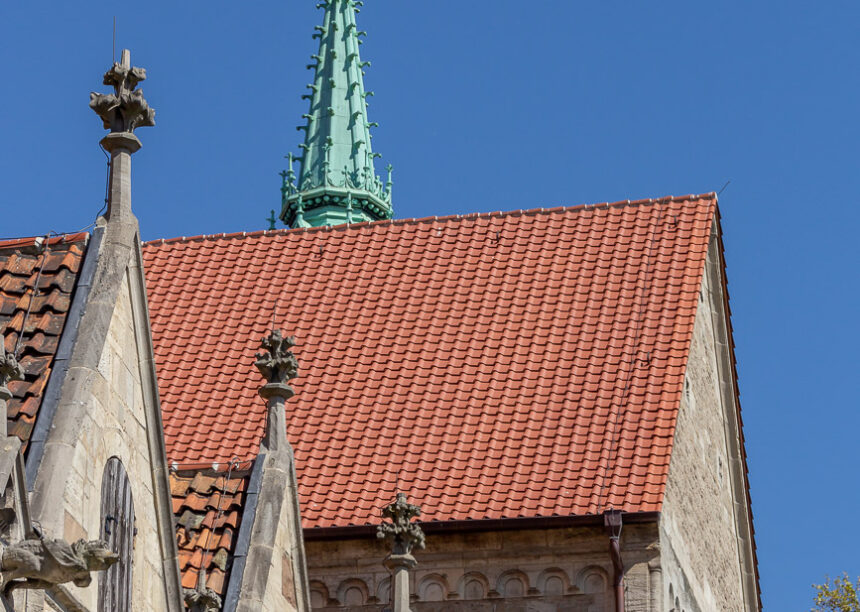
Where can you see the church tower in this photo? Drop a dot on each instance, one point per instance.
(337, 182)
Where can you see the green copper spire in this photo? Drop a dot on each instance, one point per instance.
(337, 182)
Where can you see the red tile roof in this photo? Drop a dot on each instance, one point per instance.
(54, 264)
(490, 366)
(208, 511)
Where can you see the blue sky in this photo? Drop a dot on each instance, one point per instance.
(505, 105)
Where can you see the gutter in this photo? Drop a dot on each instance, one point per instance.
(470, 526)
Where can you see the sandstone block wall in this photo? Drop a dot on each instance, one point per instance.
(699, 532)
(115, 425)
(282, 585)
(536, 570)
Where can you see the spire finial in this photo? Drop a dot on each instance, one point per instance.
(403, 536)
(337, 133)
(278, 366)
(389, 183)
(125, 109)
(401, 533)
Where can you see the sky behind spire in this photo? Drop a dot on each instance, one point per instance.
(520, 106)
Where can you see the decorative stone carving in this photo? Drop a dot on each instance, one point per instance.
(202, 598)
(10, 370)
(44, 563)
(401, 533)
(278, 365)
(125, 109)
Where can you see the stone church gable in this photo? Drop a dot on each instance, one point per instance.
(707, 491)
(106, 412)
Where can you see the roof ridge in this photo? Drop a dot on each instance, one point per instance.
(434, 219)
(28, 241)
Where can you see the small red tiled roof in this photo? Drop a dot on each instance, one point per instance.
(55, 263)
(490, 366)
(208, 511)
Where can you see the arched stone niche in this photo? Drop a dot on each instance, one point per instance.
(352, 592)
(554, 581)
(383, 590)
(433, 587)
(473, 585)
(319, 594)
(592, 579)
(513, 583)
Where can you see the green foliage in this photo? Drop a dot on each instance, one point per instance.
(838, 596)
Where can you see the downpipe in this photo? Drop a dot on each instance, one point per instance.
(613, 523)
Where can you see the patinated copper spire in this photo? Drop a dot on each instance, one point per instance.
(337, 182)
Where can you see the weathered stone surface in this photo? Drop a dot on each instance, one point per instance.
(202, 598)
(278, 365)
(125, 109)
(274, 578)
(10, 370)
(703, 531)
(530, 569)
(401, 533)
(44, 563)
(102, 415)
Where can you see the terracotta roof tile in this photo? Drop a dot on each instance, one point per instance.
(207, 506)
(53, 264)
(491, 366)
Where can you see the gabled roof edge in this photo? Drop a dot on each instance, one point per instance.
(727, 313)
(60, 363)
(243, 542)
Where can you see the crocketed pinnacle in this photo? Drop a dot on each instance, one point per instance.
(337, 182)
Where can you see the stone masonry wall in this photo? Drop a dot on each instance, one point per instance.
(539, 570)
(698, 532)
(281, 587)
(115, 425)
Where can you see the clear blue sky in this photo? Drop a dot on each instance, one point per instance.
(504, 105)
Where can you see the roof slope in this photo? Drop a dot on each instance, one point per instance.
(208, 510)
(53, 265)
(491, 366)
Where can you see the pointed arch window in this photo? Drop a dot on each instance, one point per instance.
(117, 520)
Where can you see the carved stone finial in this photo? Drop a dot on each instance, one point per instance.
(10, 370)
(202, 598)
(125, 109)
(401, 533)
(44, 563)
(278, 365)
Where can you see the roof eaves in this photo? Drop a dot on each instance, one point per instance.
(471, 526)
